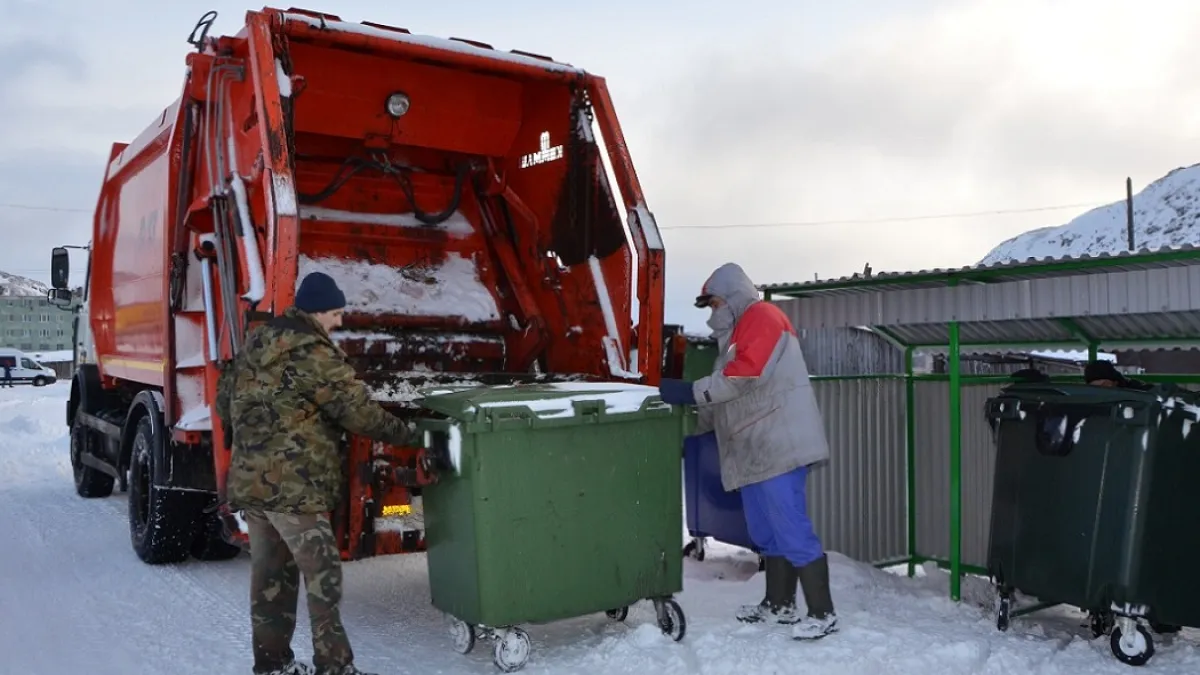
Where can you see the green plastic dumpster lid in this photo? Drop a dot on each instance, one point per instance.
(544, 401)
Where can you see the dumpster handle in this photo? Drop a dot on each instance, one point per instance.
(1046, 442)
(1003, 409)
(1131, 414)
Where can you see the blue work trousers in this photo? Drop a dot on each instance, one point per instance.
(777, 518)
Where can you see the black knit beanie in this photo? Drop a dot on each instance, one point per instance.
(318, 292)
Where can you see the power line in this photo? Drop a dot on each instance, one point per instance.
(739, 226)
(34, 207)
(889, 219)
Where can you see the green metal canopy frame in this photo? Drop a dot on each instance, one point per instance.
(1144, 300)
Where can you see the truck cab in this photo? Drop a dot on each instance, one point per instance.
(61, 296)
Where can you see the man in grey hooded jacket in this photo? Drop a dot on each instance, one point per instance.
(761, 405)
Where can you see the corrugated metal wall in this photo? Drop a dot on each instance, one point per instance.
(849, 351)
(932, 431)
(858, 500)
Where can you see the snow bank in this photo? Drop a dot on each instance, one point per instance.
(66, 557)
(451, 289)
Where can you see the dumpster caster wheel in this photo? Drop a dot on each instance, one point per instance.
(511, 650)
(1003, 612)
(671, 619)
(1134, 650)
(1101, 623)
(695, 549)
(619, 614)
(462, 635)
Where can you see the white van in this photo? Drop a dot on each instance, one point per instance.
(23, 370)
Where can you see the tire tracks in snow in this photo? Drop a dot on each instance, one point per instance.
(68, 564)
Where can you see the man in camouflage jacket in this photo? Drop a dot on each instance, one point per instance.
(288, 397)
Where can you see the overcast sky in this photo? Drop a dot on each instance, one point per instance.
(736, 113)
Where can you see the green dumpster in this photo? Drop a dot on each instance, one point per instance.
(1094, 506)
(560, 500)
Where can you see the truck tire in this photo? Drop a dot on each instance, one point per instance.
(90, 483)
(162, 522)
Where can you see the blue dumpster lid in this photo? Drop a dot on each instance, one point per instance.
(542, 400)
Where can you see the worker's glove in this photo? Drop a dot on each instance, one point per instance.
(676, 392)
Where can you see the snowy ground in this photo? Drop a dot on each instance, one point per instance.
(74, 599)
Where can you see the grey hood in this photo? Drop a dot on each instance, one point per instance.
(730, 283)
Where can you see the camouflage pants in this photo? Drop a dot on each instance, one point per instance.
(282, 546)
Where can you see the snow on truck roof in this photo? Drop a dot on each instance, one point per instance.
(457, 45)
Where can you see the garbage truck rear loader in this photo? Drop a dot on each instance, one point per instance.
(456, 192)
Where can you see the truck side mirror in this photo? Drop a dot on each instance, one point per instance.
(60, 269)
(59, 297)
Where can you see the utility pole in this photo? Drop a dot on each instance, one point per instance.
(1129, 212)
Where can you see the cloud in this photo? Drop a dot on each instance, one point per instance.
(979, 105)
(49, 173)
(56, 179)
(821, 114)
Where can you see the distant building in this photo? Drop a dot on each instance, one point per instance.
(32, 324)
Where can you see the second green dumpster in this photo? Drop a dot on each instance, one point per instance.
(1094, 505)
(562, 500)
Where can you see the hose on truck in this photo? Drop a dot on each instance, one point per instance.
(352, 165)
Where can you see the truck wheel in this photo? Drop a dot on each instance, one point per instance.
(90, 483)
(39, 381)
(162, 522)
(208, 543)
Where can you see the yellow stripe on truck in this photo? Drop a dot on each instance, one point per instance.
(137, 364)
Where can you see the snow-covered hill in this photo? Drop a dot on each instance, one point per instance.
(15, 285)
(1165, 214)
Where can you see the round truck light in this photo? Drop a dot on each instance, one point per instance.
(397, 104)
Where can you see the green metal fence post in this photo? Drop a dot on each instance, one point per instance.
(910, 454)
(954, 363)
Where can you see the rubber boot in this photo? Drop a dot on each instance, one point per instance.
(779, 601)
(821, 619)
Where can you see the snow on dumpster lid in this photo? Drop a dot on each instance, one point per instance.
(546, 401)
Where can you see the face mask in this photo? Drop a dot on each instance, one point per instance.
(721, 321)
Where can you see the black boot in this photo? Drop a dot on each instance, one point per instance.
(821, 620)
(779, 601)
